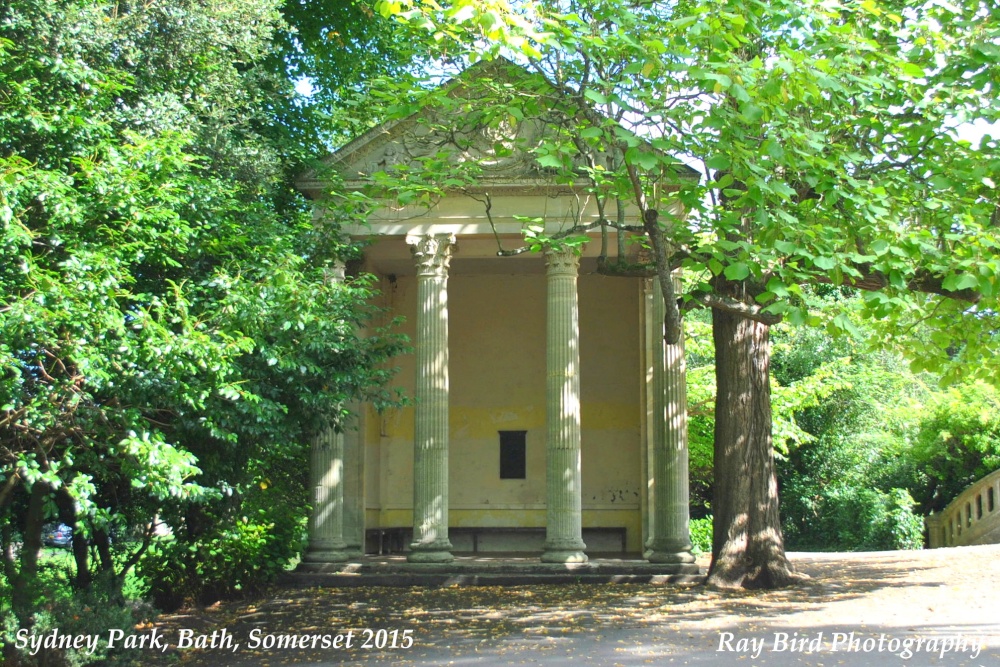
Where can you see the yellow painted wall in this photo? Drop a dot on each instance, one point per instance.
(497, 378)
(611, 408)
(497, 339)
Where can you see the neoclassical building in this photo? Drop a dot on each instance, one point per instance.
(548, 416)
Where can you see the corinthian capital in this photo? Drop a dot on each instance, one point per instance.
(562, 261)
(431, 253)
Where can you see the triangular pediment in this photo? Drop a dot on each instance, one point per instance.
(469, 145)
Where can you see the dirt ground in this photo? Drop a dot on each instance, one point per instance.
(888, 600)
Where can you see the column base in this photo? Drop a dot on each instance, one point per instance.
(429, 557)
(326, 556)
(561, 556)
(665, 552)
(669, 557)
(564, 550)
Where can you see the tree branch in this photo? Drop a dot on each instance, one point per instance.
(576, 229)
(136, 556)
(736, 306)
(671, 316)
(923, 281)
(8, 488)
(621, 269)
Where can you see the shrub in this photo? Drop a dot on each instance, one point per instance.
(224, 562)
(95, 611)
(852, 518)
(958, 442)
(701, 535)
(906, 528)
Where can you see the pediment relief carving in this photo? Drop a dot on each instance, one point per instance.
(466, 144)
(499, 151)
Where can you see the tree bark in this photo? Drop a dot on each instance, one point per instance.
(81, 554)
(747, 546)
(24, 581)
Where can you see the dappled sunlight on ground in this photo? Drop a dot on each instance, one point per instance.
(947, 590)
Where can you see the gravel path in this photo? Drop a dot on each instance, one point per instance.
(886, 608)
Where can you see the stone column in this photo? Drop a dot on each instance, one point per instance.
(432, 254)
(564, 507)
(670, 539)
(326, 472)
(354, 483)
(326, 523)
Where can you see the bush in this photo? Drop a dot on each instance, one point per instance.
(850, 518)
(958, 442)
(92, 612)
(906, 528)
(701, 535)
(224, 562)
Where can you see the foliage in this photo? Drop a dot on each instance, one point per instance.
(224, 561)
(235, 547)
(822, 130)
(844, 517)
(958, 442)
(869, 436)
(168, 325)
(883, 437)
(701, 535)
(839, 483)
(93, 612)
(331, 47)
(778, 105)
(699, 357)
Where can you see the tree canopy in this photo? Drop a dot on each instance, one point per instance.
(825, 132)
(168, 320)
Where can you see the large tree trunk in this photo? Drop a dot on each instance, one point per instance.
(747, 547)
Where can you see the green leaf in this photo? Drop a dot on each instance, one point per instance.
(644, 159)
(751, 112)
(960, 281)
(718, 162)
(737, 271)
(765, 297)
(777, 287)
(797, 315)
(739, 93)
(550, 160)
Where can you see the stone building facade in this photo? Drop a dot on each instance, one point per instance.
(548, 416)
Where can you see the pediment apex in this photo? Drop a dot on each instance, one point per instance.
(502, 153)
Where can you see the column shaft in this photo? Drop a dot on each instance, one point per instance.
(670, 541)
(354, 483)
(564, 508)
(326, 471)
(326, 523)
(432, 254)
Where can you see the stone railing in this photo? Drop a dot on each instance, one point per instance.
(972, 518)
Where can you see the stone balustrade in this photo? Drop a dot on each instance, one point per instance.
(972, 518)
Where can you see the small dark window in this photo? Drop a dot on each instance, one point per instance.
(512, 454)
